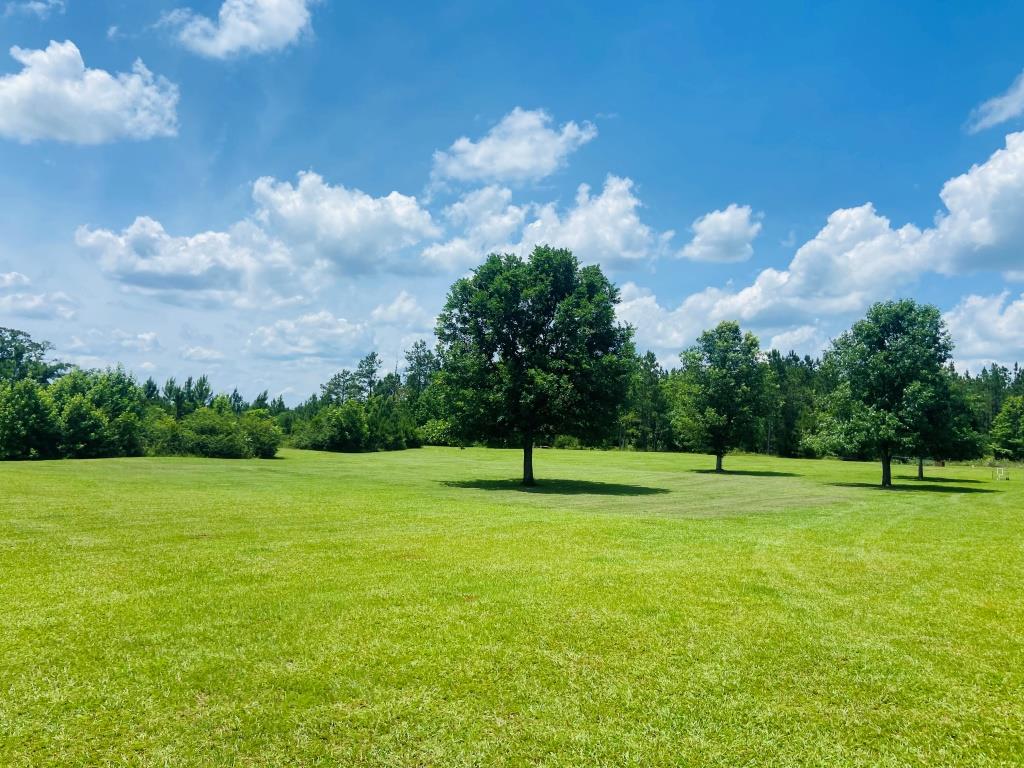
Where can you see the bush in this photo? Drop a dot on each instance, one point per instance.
(335, 428)
(262, 436)
(437, 432)
(215, 435)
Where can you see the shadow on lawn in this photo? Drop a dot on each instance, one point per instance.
(918, 487)
(745, 473)
(930, 479)
(558, 487)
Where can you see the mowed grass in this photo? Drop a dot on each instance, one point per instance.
(419, 608)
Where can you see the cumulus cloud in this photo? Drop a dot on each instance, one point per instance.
(12, 280)
(17, 301)
(523, 146)
(318, 335)
(983, 227)
(488, 223)
(999, 109)
(404, 311)
(201, 354)
(346, 226)
(724, 236)
(102, 347)
(604, 228)
(242, 26)
(56, 97)
(988, 328)
(39, 305)
(859, 257)
(39, 8)
(230, 267)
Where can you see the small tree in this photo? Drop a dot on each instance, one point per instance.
(1008, 430)
(889, 370)
(722, 389)
(532, 347)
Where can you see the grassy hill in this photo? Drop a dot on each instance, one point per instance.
(419, 608)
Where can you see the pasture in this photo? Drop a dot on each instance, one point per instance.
(419, 608)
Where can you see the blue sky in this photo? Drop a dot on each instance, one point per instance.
(267, 189)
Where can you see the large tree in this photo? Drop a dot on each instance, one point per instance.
(722, 389)
(23, 358)
(531, 348)
(889, 370)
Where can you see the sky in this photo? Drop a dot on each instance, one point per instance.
(266, 190)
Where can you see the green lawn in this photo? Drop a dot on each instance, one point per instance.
(418, 608)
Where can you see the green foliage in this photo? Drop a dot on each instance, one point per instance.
(262, 436)
(215, 435)
(889, 370)
(23, 358)
(1008, 430)
(29, 427)
(532, 347)
(721, 389)
(438, 432)
(83, 430)
(335, 428)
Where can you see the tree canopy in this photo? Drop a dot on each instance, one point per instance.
(531, 347)
(721, 389)
(889, 373)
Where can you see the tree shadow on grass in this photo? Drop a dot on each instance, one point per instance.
(918, 487)
(930, 479)
(558, 487)
(745, 472)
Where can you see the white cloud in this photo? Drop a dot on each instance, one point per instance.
(988, 328)
(13, 280)
(213, 267)
(858, 257)
(983, 227)
(201, 354)
(318, 335)
(999, 109)
(521, 147)
(38, 8)
(56, 97)
(41, 305)
(346, 226)
(404, 311)
(724, 236)
(488, 223)
(605, 228)
(104, 346)
(242, 26)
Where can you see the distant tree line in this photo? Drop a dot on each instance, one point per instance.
(529, 354)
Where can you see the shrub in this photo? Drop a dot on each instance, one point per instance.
(262, 436)
(215, 435)
(335, 428)
(567, 442)
(437, 432)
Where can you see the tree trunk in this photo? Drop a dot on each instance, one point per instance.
(528, 460)
(886, 470)
(718, 462)
(920, 468)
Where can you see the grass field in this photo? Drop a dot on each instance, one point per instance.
(418, 608)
